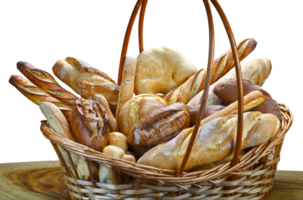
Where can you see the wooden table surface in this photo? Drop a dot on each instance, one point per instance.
(44, 180)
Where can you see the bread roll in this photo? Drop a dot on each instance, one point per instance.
(59, 124)
(161, 69)
(256, 71)
(185, 92)
(133, 109)
(90, 124)
(117, 139)
(86, 80)
(227, 91)
(214, 141)
(46, 82)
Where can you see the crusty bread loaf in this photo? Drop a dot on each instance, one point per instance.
(59, 124)
(37, 95)
(214, 141)
(161, 69)
(86, 80)
(159, 126)
(90, 124)
(185, 92)
(227, 91)
(256, 71)
(134, 109)
(46, 82)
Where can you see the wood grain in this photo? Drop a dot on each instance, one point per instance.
(44, 180)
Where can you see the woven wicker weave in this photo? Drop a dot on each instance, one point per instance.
(249, 176)
(256, 171)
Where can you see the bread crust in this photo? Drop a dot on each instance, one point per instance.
(90, 124)
(86, 80)
(227, 91)
(214, 141)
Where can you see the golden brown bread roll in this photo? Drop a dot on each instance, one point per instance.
(159, 126)
(256, 71)
(227, 91)
(185, 92)
(86, 80)
(90, 124)
(118, 139)
(214, 141)
(133, 110)
(161, 69)
(46, 82)
(37, 95)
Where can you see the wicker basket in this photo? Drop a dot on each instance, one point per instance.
(249, 176)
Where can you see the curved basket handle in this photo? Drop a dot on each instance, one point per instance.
(210, 60)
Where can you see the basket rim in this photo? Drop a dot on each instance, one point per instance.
(162, 176)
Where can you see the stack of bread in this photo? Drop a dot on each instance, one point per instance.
(153, 127)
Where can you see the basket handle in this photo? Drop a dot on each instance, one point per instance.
(210, 60)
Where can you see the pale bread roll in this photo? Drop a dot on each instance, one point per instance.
(59, 124)
(256, 71)
(161, 69)
(127, 83)
(118, 139)
(214, 141)
(107, 175)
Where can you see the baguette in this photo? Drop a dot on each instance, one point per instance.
(59, 124)
(37, 95)
(86, 80)
(46, 82)
(127, 83)
(185, 92)
(256, 71)
(214, 141)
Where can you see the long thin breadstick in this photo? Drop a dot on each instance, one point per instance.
(251, 100)
(127, 84)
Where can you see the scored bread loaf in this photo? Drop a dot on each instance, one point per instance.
(46, 82)
(214, 141)
(256, 71)
(136, 108)
(59, 124)
(90, 124)
(220, 66)
(86, 80)
(37, 95)
(161, 69)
